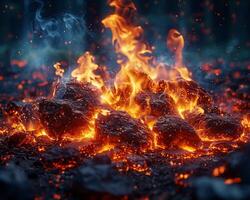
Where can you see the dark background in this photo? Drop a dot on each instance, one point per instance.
(204, 23)
(216, 32)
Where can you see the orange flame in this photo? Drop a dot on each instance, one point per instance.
(135, 70)
(175, 43)
(59, 70)
(85, 71)
(139, 73)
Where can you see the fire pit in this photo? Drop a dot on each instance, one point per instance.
(149, 131)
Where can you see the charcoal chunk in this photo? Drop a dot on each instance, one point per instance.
(119, 127)
(59, 117)
(158, 104)
(11, 112)
(173, 131)
(217, 127)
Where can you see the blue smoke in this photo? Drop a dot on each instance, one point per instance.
(51, 39)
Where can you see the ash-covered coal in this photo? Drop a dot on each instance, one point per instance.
(173, 131)
(119, 127)
(207, 188)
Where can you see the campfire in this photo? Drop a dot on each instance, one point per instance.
(149, 122)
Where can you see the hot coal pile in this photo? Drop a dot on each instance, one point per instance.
(148, 132)
(72, 146)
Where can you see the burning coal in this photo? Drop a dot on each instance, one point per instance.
(146, 107)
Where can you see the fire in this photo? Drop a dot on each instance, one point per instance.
(59, 70)
(133, 57)
(85, 71)
(106, 147)
(140, 76)
(246, 122)
(175, 43)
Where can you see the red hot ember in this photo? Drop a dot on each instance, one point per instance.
(146, 106)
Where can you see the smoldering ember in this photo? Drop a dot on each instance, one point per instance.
(149, 131)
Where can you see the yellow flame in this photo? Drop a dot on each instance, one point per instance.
(59, 70)
(85, 71)
(175, 43)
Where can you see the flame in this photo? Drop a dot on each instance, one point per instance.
(175, 43)
(139, 73)
(59, 70)
(135, 71)
(85, 71)
(246, 122)
(89, 132)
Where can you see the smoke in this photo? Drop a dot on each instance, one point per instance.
(66, 27)
(49, 40)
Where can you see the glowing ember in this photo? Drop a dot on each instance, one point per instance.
(146, 107)
(232, 181)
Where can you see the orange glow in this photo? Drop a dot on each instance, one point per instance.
(106, 147)
(139, 73)
(246, 122)
(187, 148)
(19, 63)
(41, 149)
(181, 179)
(219, 170)
(230, 181)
